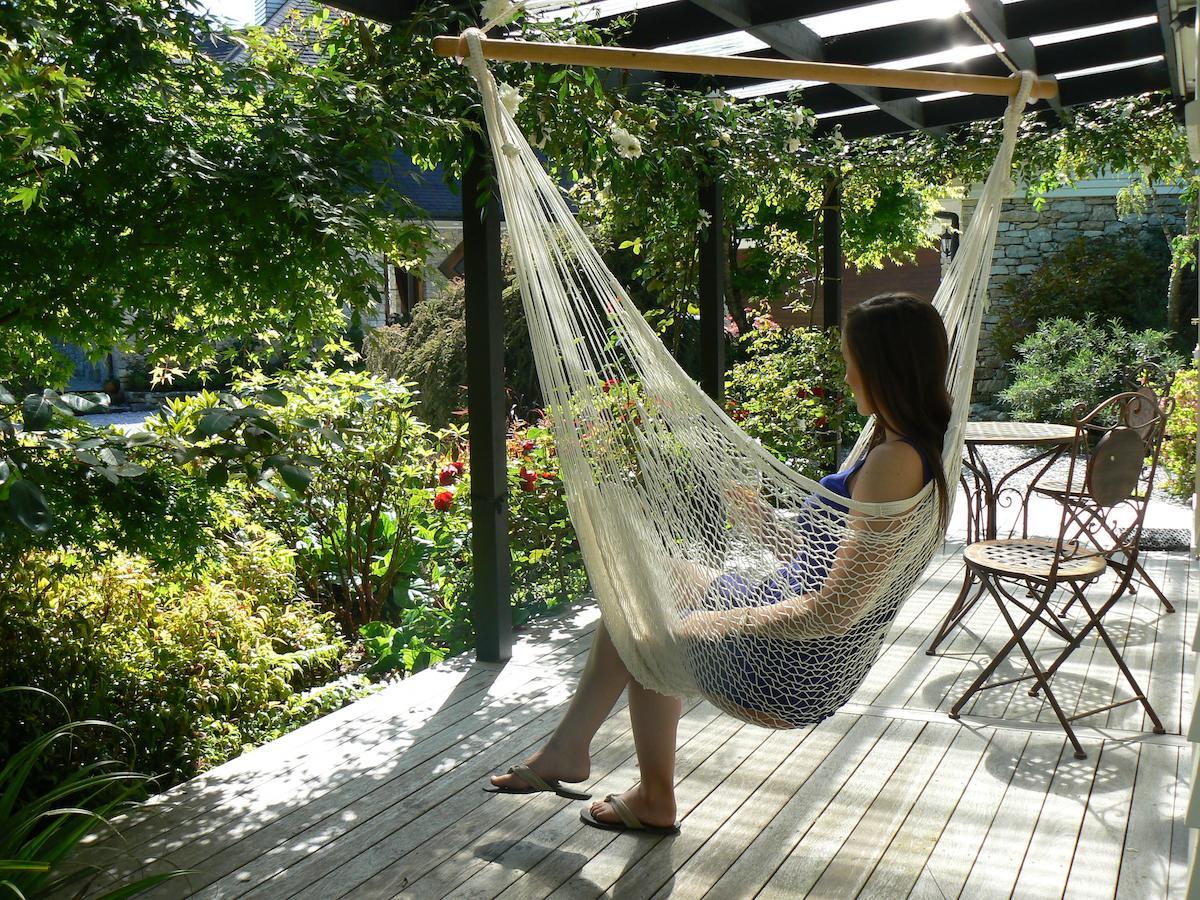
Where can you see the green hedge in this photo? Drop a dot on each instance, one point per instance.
(1066, 363)
(788, 390)
(195, 668)
(431, 352)
(1179, 448)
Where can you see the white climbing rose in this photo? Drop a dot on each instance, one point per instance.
(799, 118)
(794, 145)
(705, 220)
(495, 9)
(718, 100)
(510, 97)
(628, 146)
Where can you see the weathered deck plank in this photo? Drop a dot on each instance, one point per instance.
(889, 798)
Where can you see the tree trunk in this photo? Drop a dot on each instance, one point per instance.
(734, 303)
(1175, 286)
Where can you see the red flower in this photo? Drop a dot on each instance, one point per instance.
(529, 485)
(820, 423)
(545, 474)
(448, 475)
(818, 392)
(459, 465)
(443, 501)
(803, 393)
(739, 415)
(528, 446)
(610, 384)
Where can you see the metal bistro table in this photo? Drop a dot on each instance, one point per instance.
(985, 494)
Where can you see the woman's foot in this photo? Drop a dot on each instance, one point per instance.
(552, 765)
(655, 810)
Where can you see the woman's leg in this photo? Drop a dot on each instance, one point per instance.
(566, 756)
(655, 719)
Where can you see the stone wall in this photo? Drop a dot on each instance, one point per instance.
(1028, 236)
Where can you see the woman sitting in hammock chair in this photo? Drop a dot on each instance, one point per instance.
(896, 355)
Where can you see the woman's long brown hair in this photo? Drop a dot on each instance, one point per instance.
(899, 343)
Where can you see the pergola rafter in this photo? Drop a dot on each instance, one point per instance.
(795, 40)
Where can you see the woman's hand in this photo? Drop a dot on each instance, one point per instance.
(707, 624)
(744, 505)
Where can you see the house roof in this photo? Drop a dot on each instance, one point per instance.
(1097, 49)
(428, 189)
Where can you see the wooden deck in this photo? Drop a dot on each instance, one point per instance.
(889, 798)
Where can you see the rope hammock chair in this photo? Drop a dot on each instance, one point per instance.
(659, 480)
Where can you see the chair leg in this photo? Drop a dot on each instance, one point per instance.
(1044, 683)
(991, 667)
(1149, 582)
(1076, 594)
(1018, 639)
(957, 612)
(1112, 648)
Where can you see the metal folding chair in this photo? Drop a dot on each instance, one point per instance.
(1023, 575)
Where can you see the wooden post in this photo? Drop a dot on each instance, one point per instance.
(831, 226)
(712, 292)
(387, 291)
(488, 422)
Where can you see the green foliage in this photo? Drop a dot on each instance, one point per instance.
(547, 565)
(1065, 363)
(1122, 278)
(195, 668)
(1179, 446)
(65, 483)
(161, 515)
(400, 648)
(431, 352)
(160, 199)
(41, 829)
(788, 392)
(357, 503)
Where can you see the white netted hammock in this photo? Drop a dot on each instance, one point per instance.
(677, 509)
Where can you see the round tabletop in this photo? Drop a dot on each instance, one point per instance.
(1018, 433)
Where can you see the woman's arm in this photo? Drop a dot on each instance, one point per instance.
(748, 510)
(892, 472)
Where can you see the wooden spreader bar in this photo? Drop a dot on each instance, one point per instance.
(742, 66)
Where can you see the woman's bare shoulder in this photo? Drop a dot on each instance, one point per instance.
(892, 471)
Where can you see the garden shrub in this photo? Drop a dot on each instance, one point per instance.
(431, 352)
(360, 516)
(788, 391)
(42, 826)
(1065, 363)
(195, 668)
(547, 565)
(1115, 277)
(1179, 446)
(161, 515)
